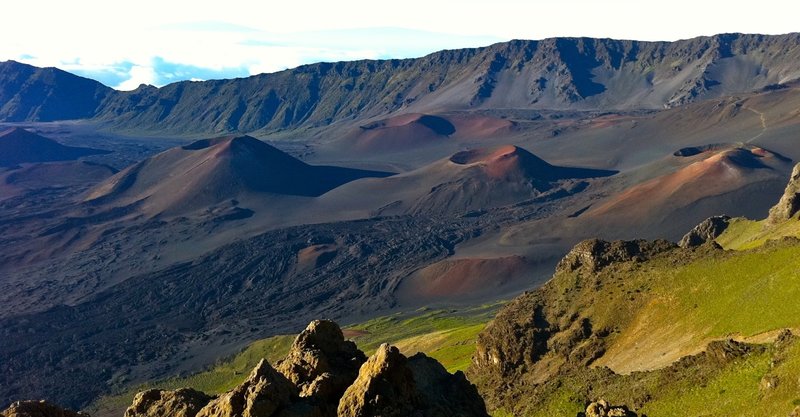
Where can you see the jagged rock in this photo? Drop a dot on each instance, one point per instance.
(785, 338)
(265, 393)
(601, 408)
(708, 230)
(184, 402)
(725, 350)
(384, 387)
(595, 254)
(789, 203)
(390, 385)
(38, 409)
(321, 363)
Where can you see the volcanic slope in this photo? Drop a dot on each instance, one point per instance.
(663, 329)
(19, 146)
(558, 73)
(415, 130)
(701, 180)
(28, 94)
(211, 172)
(471, 180)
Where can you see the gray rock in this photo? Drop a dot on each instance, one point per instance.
(184, 402)
(789, 203)
(708, 230)
(38, 409)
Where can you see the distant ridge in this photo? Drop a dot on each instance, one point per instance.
(29, 94)
(558, 73)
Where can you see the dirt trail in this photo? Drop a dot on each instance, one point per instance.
(763, 124)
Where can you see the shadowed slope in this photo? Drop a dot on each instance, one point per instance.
(28, 93)
(19, 146)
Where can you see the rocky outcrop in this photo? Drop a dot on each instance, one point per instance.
(325, 375)
(321, 363)
(706, 231)
(601, 408)
(264, 394)
(184, 402)
(389, 385)
(789, 203)
(384, 387)
(592, 255)
(38, 409)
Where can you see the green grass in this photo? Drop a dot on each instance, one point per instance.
(743, 234)
(749, 293)
(220, 378)
(672, 306)
(738, 389)
(446, 335)
(730, 393)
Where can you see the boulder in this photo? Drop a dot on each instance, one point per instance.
(38, 409)
(184, 402)
(706, 231)
(789, 203)
(601, 408)
(321, 363)
(391, 385)
(384, 387)
(265, 393)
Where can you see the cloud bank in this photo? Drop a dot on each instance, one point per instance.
(124, 44)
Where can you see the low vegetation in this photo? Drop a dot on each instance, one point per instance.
(687, 332)
(446, 335)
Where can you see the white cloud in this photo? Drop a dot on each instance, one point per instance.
(203, 40)
(139, 74)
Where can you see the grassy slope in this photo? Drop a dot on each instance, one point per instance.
(447, 335)
(671, 307)
(741, 294)
(748, 234)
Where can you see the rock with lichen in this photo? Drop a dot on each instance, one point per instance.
(789, 204)
(184, 402)
(38, 409)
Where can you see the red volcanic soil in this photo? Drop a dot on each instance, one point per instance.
(408, 131)
(714, 172)
(19, 146)
(479, 127)
(351, 333)
(503, 161)
(509, 160)
(402, 132)
(463, 279)
(212, 171)
(315, 256)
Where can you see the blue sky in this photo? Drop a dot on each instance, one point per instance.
(124, 44)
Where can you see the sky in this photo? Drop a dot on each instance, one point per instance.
(127, 43)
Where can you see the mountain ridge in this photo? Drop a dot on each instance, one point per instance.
(554, 73)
